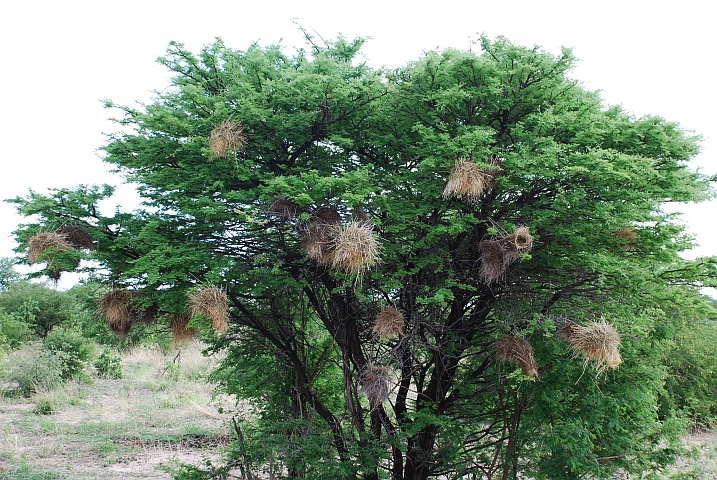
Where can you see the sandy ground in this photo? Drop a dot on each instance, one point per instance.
(110, 429)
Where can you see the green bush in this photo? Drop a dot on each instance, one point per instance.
(108, 365)
(691, 383)
(33, 369)
(13, 331)
(71, 349)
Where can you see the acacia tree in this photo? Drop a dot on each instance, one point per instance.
(323, 143)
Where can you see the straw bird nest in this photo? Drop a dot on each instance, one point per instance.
(493, 261)
(374, 384)
(44, 242)
(467, 181)
(117, 307)
(498, 254)
(284, 208)
(389, 323)
(517, 350)
(77, 236)
(628, 236)
(355, 247)
(597, 343)
(226, 137)
(212, 303)
(178, 325)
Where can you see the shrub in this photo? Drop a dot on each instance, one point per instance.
(33, 369)
(72, 351)
(108, 365)
(13, 332)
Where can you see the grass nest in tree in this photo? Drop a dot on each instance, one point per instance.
(628, 235)
(117, 307)
(493, 261)
(597, 342)
(43, 242)
(355, 247)
(520, 240)
(466, 181)
(284, 208)
(327, 216)
(374, 384)
(212, 303)
(494, 173)
(317, 242)
(389, 322)
(178, 325)
(225, 137)
(517, 350)
(77, 236)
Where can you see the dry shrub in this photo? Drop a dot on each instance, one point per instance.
(212, 303)
(517, 350)
(284, 208)
(628, 235)
(355, 247)
(374, 384)
(77, 236)
(225, 137)
(493, 261)
(117, 307)
(389, 322)
(178, 324)
(465, 181)
(597, 342)
(42, 242)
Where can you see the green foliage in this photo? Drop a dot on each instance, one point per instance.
(108, 365)
(7, 273)
(691, 385)
(40, 307)
(33, 369)
(326, 131)
(13, 331)
(71, 349)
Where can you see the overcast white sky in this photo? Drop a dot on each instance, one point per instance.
(61, 58)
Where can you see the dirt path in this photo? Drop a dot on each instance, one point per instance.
(131, 428)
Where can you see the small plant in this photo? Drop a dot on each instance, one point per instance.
(44, 406)
(108, 365)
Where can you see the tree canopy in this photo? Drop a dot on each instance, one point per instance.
(482, 207)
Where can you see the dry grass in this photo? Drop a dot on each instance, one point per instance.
(517, 350)
(117, 307)
(597, 342)
(43, 242)
(355, 247)
(466, 181)
(77, 236)
(493, 262)
(225, 137)
(567, 332)
(180, 332)
(389, 323)
(374, 384)
(212, 303)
